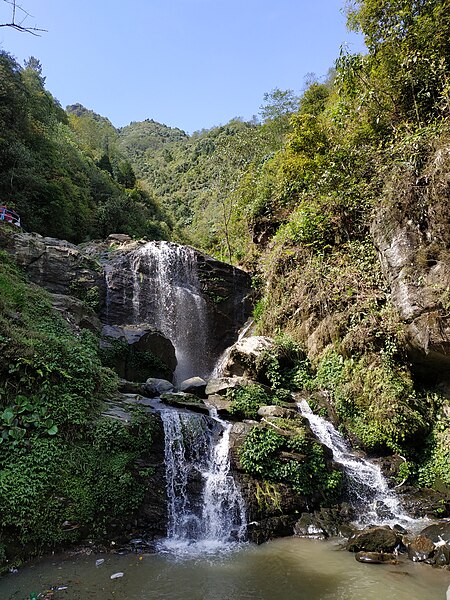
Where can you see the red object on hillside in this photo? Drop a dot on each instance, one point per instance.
(9, 216)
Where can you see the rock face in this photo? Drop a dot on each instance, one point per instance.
(138, 352)
(413, 249)
(197, 302)
(57, 265)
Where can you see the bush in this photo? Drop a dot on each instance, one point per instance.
(308, 473)
(246, 400)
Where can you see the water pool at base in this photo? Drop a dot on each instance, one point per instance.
(285, 569)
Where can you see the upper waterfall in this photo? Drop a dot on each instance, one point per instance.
(167, 294)
(195, 301)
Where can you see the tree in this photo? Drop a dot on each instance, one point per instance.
(18, 19)
(276, 111)
(408, 64)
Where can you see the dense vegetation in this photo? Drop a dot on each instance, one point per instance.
(65, 472)
(62, 172)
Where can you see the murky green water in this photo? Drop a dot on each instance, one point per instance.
(286, 569)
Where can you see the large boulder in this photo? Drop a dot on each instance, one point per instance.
(420, 549)
(374, 539)
(137, 352)
(244, 357)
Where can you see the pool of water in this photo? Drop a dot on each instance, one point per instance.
(285, 569)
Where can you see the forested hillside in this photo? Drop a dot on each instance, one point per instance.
(63, 172)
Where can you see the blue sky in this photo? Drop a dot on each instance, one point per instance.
(191, 64)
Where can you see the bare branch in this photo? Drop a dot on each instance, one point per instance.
(18, 24)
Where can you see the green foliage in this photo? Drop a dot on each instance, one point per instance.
(307, 473)
(433, 471)
(65, 176)
(90, 484)
(283, 365)
(246, 400)
(375, 400)
(59, 462)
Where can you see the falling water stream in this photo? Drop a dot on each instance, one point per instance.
(367, 489)
(166, 294)
(206, 511)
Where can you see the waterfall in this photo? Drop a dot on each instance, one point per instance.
(167, 295)
(367, 489)
(206, 511)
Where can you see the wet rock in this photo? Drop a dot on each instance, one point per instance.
(442, 555)
(221, 404)
(193, 385)
(155, 387)
(420, 549)
(326, 522)
(437, 532)
(376, 558)
(373, 539)
(225, 290)
(307, 526)
(425, 502)
(183, 400)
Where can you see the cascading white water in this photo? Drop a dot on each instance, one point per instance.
(166, 294)
(223, 359)
(367, 488)
(206, 511)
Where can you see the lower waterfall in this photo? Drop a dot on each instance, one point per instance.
(367, 489)
(206, 511)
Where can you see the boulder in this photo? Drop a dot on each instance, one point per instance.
(376, 558)
(244, 355)
(221, 404)
(437, 532)
(373, 539)
(325, 522)
(193, 385)
(221, 385)
(155, 387)
(420, 549)
(307, 526)
(138, 351)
